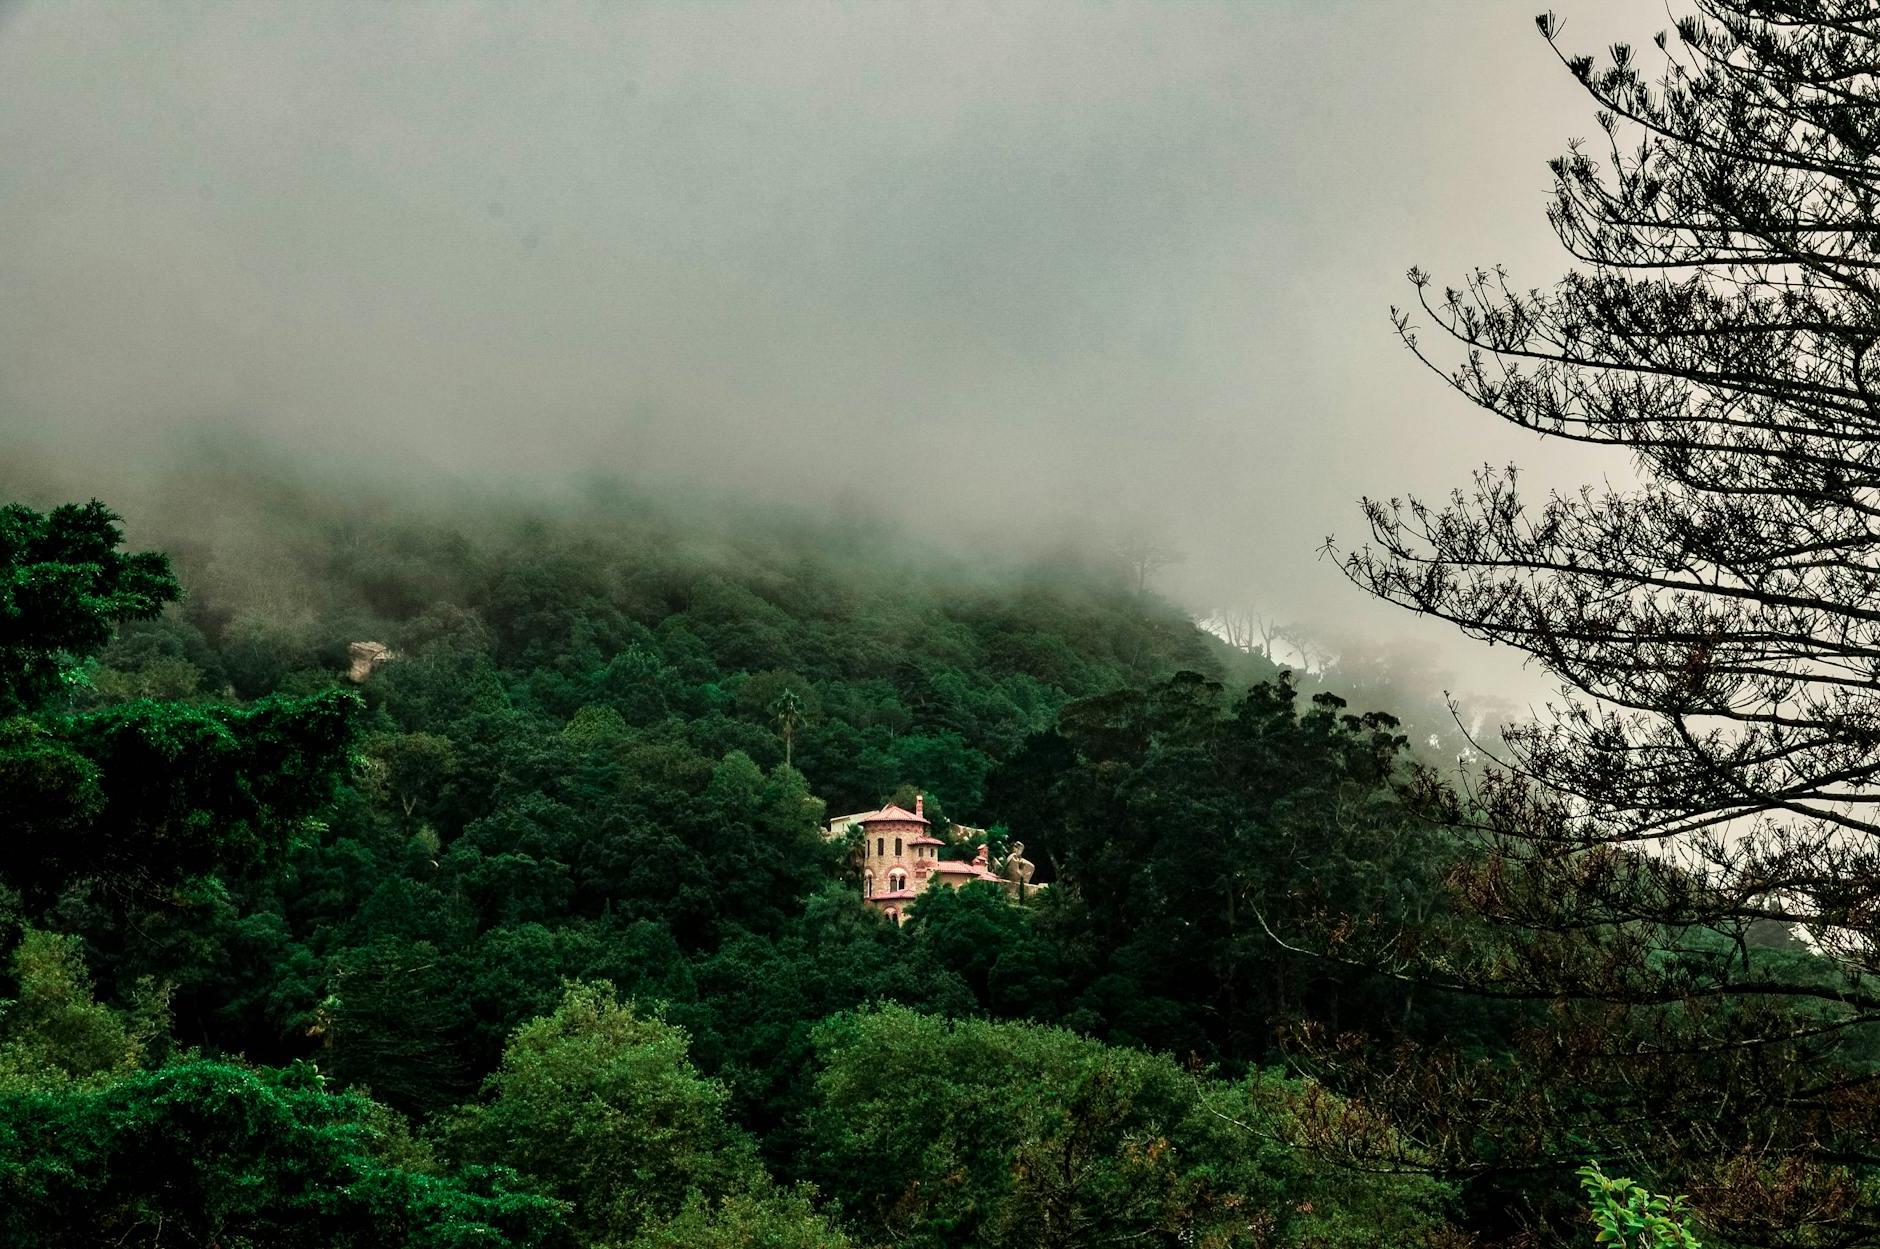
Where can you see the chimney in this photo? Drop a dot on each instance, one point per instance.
(920, 803)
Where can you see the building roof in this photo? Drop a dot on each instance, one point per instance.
(925, 840)
(954, 867)
(890, 814)
(892, 895)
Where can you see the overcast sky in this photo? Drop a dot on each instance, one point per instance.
(1018, 265)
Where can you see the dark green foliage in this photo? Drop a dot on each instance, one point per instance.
(1003, 955)
(410, 768)
(63, 585)
(748, 1220)
(759, 1002)
(210, 1153)
(1189, 831)
(603, 758)
(53, 1034)
(934, 1134)
(394, 1020)
(132, 801)
(601, 1105)
(143, 796)
(578, 741)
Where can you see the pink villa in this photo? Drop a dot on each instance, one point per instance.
(901, 858)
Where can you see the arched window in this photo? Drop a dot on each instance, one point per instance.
(881, 846)
(897, 847)
(897, 880)
(868, 884)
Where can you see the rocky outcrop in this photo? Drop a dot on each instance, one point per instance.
(366, 657)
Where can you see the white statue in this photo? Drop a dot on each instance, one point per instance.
(1016, 867)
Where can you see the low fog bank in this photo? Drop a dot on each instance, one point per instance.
(215, 490)
(252, 531)
(257, 523)
(1016, 279)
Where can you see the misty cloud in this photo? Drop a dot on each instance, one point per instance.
(995, 268)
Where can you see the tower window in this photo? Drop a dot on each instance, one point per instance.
(881, 846)
(897, 880)
(897, 847)
(868, 884)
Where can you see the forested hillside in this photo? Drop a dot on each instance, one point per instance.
(520, 926)
(532, 936)
(584, 660)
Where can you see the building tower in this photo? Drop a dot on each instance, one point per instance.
(899, 856)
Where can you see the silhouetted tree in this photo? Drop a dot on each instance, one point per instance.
(1144, 556)
(1714, 763)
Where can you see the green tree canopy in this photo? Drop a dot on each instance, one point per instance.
(969, 1133)
(212, 1153)
(1188, 828)
(601, 1106)
(63, 585)
(142, 796)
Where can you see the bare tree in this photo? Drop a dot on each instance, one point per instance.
(1235, 627)
(1144, 556)
(1315, 656)
(1245, 629)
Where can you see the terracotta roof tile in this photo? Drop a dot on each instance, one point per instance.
(891, 814)
(953, 867)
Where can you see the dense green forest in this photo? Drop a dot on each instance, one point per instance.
(533, 936)
(382, 868)
(529, 932)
